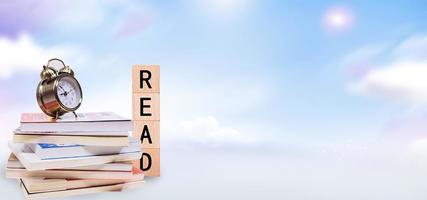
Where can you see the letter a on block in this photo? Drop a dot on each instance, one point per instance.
(146, 78)
(148, 132)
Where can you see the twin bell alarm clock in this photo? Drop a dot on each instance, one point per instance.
(59, 91)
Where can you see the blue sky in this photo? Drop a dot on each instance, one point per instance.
(238, 74)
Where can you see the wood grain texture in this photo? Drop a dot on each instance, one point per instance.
(146, 84)
(154, 153)
(139, 86)
(152, 100)
(153, 128)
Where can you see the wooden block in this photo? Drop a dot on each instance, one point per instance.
(146, 78)
(148, 132)
(150, 161)
(146, 106)
(146, 116)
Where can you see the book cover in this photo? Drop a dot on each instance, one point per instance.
(59, 151)
(70, 118)
(32, 162)
(85, 122)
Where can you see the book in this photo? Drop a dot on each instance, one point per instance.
(37, 184)
(40, 184)
(82, 140)
(74, 133)
(78, 191)
(58, 151)
(13, 163)
(69, 174)
(97, 122)
(32, 162)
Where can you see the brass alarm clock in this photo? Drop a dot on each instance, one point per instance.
(59, 91)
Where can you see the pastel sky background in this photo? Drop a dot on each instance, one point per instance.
(259, 99)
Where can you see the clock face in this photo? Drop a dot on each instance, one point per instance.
(69, 92)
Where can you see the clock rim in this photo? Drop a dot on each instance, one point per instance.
(55, 85)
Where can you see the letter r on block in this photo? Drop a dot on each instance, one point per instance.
(146, 78)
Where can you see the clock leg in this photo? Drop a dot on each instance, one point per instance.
(75, 114)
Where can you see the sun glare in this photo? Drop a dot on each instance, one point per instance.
(338, 19)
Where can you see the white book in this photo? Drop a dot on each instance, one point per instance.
(85, 122)
(69, 174)
(74, 139)
(73, 133)
(32, 162)
(60, 151)
(13, 163)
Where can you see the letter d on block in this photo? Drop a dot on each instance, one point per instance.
(150, 161)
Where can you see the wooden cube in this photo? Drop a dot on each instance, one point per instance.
(148, 132)
(146, 78)
(146, 106)
(149, 162)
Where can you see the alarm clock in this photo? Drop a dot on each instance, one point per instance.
(59, 91)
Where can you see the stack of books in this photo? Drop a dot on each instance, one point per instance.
(71, 156)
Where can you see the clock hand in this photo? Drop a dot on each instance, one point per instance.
(71, 90)
(64, 92)
(61, 88)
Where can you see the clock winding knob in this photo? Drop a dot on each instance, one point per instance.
(47, 73)
(67, 70)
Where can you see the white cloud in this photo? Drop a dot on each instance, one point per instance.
(363, 55)
(402, 78)
(413, 48)
(418, 149)
(207, 130)
(403, 81)
(176, 124)
(23, 54)
(105, 16)
(82, 15)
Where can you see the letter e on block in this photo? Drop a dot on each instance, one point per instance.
(146, 78)
(146, 106)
